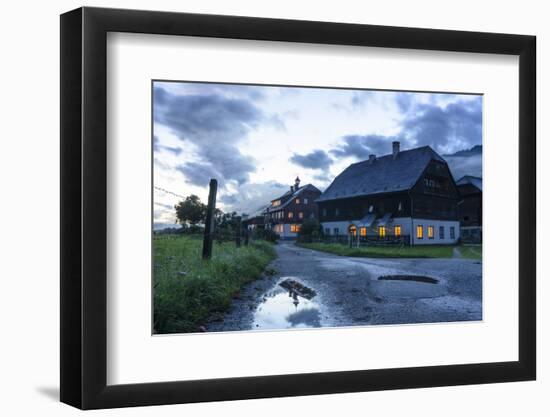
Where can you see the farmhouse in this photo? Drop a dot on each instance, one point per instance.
(407, 195)
(287, 212)
(469, 208)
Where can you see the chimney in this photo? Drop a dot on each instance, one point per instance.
(297, 183)
(395, 148)
(372, 158)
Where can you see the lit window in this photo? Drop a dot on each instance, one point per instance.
(382, 231)
(430, 232)
(294, 228)
(419, 232)
(397, 230)
(353, 230)
(276, 203)
(301, 215)
(305, 200)
(363, 231)
(297, 201)
(290, 215)
(441, 232)
(452, 232)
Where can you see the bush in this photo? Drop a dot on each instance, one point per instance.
(310, 231)
(265, 234)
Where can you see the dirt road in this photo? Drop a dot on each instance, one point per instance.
(347, 292)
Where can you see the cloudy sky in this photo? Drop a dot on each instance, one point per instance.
(256, 139)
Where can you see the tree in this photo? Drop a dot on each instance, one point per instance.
(191, 211)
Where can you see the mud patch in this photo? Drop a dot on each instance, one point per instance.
(415, 278)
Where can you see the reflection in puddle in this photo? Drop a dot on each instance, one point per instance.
(288, 305)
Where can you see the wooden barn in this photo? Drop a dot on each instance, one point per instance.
(408, 196)
(287, 212)
(470, 208)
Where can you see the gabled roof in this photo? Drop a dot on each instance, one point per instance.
(294, 195)
(383, 175)
(470, 179)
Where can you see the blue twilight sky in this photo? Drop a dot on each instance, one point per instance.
(256, 139)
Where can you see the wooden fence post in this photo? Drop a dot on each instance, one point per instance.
(239, 232)
(209, 222)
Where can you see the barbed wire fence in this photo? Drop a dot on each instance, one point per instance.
(211, 233)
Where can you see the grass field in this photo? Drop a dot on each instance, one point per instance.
(471, 252)
(187, 289)
(383, 251)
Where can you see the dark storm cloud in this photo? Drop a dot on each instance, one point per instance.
(157, 147)
(215, 124)
(361, 146)
(318, 159)
(457, 125)
(248, 199)
(404, 101)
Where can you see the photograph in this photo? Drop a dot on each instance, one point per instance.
(292, 207)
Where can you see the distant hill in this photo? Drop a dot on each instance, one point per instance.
(476, 150)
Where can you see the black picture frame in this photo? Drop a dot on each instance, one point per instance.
(84, 207)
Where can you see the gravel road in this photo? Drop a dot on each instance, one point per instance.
(349, 293)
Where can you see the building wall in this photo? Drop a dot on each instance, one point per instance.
(406, 226)
(284, 230)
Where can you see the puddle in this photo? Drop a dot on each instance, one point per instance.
(416, 278)
(290, 304)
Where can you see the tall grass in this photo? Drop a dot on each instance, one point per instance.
(383, 251)
(188, 289)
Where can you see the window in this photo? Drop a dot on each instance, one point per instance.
(276, 203)
(290, 215)
(336, 212)
(400, 206)
(305, 200)
(430, 232)
(301, 215)
(441, 232)
(382, 231)
(452, 232)
(336, 231)
(279, 228)
(297, 201)
(371, 208)
(327, 231)
(419, 232)
(324, 212)
(294, 228)
(353, 230)
(363, 231)
(397, 230)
